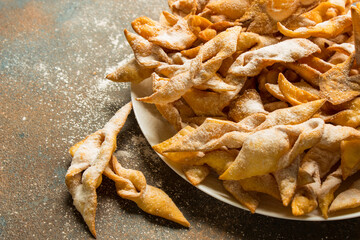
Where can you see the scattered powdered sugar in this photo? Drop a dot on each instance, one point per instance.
(43, 69)
(123, 154)
(138, 140)
(104, 22)
(103, 84)
(253, 106)
(135, 144)
(252, 62)
(116, 40)
(177, 36)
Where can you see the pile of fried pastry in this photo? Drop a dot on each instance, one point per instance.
(263, 93)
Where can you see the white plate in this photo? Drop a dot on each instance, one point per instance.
(156, 129)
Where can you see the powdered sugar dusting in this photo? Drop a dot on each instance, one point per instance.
(253, 105)
(126, 59)
(252, 62)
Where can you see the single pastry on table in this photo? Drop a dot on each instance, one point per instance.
(93, 157)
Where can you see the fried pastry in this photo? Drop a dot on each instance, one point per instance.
(327, 29)
(250, 200)
(131, 184)
(355, 14)
(350, 160)
(327, 190)
(93, 157)
(130, 72)
(337, 86)
(348, 199)
(251, 63)
(259, 155)
(89, 162)
(293, 94)
(202, 68)
(247, 104)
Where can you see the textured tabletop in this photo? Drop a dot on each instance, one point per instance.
(53, 58)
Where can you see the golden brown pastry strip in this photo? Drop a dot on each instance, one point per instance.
(308, 73)
(293, 94)
(89, 162)
(337, 86)
(350, 158)
(130, 72)
(250, 200)
(259, 155)
(348, 116)
(327, 190)
(200, 69)
(348, 199)
(345, 48)
(327, 29)
(246, 105)
(196, 174)
(355, 14)
(305, 199)
(177, 37)
(146, 53)
(286, 179)
(167, 110)
(251, 63)
(262, 184)
(232, 9)
(326, 10)
(131, 184)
